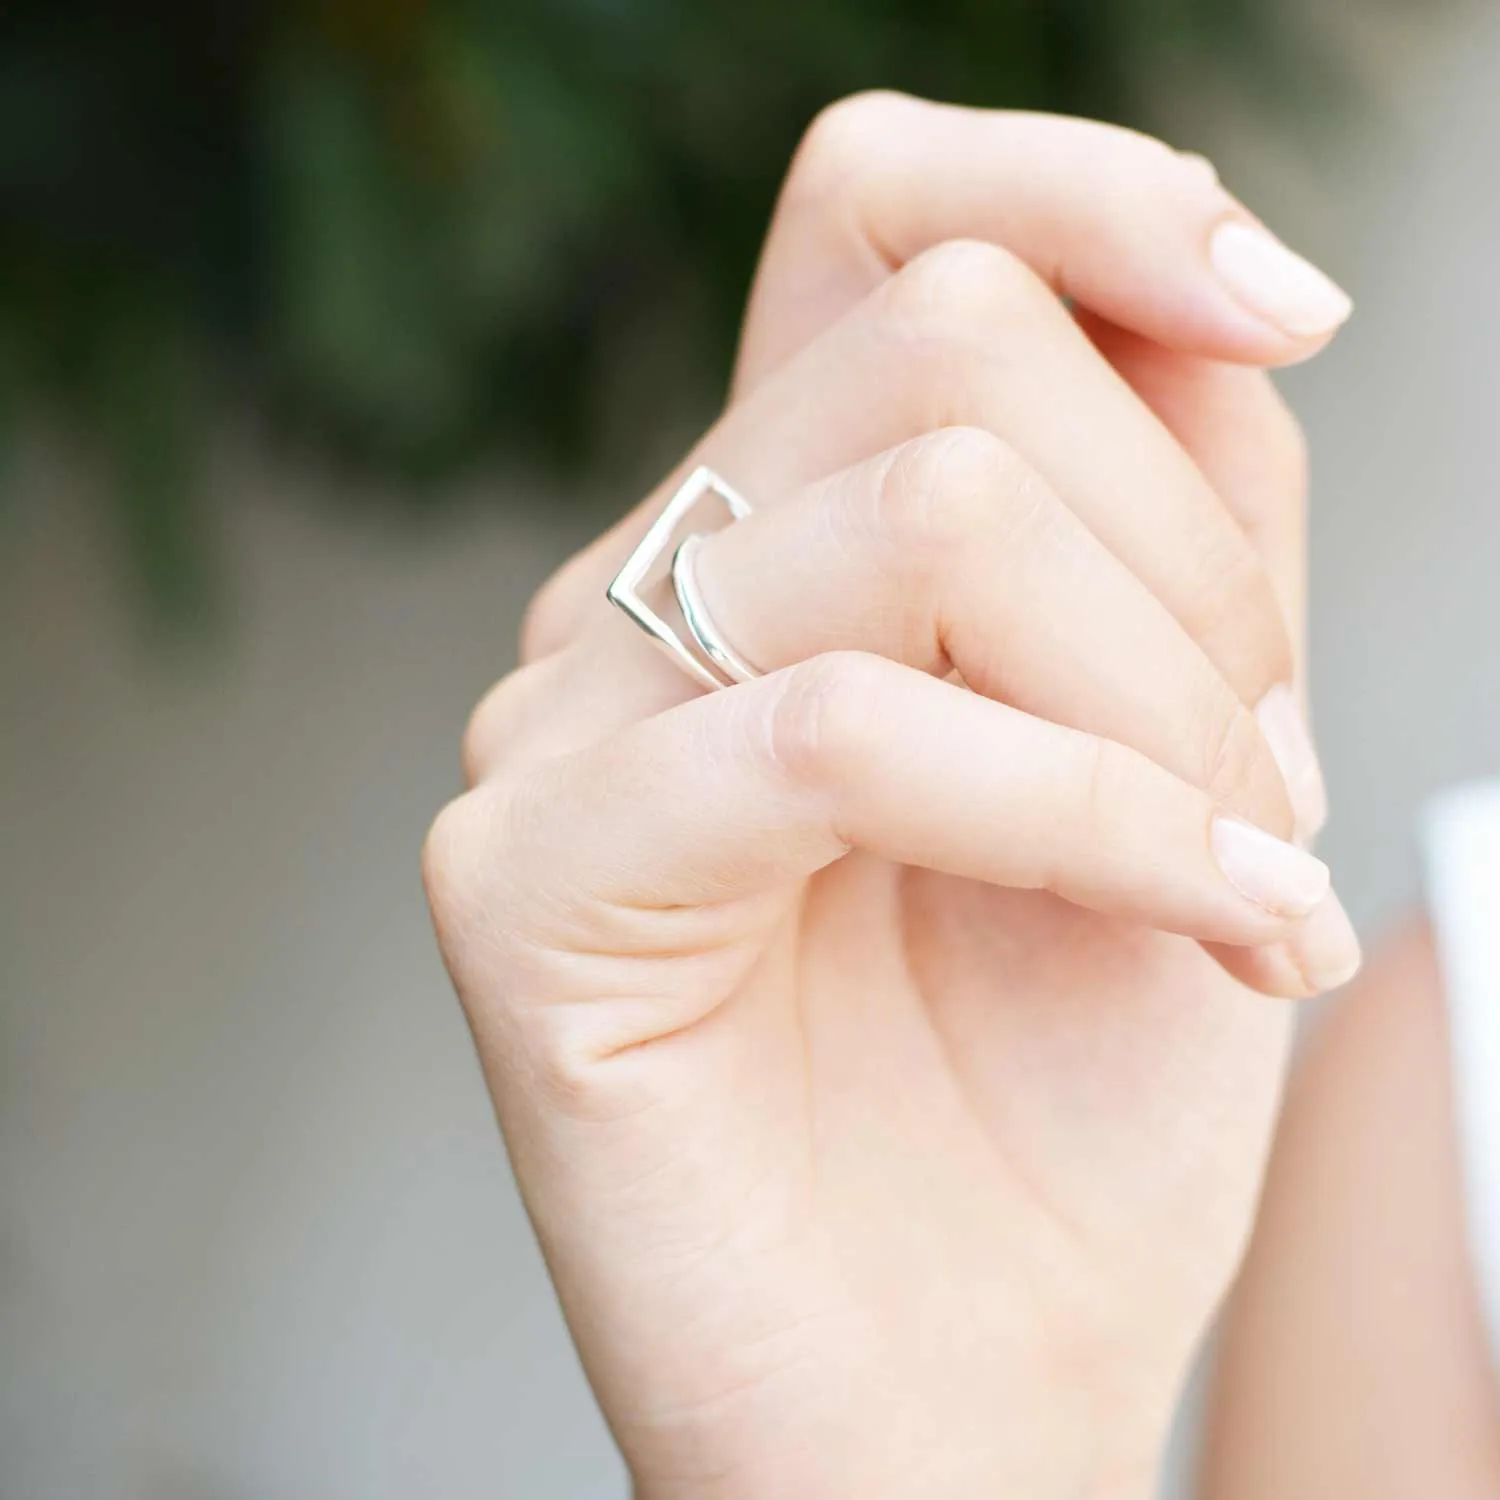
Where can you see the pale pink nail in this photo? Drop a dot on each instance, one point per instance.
(1273, 874)
(1284, 726)
(1275, 283)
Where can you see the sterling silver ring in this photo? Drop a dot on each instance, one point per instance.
(700, 649)
(699, 622)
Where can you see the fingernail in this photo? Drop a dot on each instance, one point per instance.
(1275, 875)
(1326, 947)
(1284, 726)
(1276, 283)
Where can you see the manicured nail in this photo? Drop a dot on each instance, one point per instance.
(1276, 283)
(1326, 948)
(1284, 726)
(1278, 876)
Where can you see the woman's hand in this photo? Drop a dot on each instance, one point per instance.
(883, 1134)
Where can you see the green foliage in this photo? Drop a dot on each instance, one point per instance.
(407, 228)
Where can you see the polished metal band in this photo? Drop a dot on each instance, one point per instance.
(699, 621)
(705, 655)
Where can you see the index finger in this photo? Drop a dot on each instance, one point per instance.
(1122, 224)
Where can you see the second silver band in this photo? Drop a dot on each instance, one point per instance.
(700, 623)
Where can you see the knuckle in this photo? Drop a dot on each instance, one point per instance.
(845, 139)
(1233, 614)
(481, 735)
(1103, 775)
(1228, 753)
(938, 491)
(1157, 159)
(494, 723)
(1110, 792)
(1237, 770)
(489, 896)
(820, 718)
(551, 615)
(960, 285)
(450, 862)
(541, 966)
(1150, 165)
(541, 626)
(1200, 171)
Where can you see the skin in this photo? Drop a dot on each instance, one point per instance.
(1354, 1360)
(887, 1066)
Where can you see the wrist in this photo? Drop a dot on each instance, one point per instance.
(1140, 1483)
(1045, 1456)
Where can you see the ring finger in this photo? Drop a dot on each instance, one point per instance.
(950, 551)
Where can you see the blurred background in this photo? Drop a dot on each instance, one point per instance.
(326, 330)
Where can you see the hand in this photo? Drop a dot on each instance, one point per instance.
(882, 1134)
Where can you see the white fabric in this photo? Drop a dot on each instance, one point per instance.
(1463, 885)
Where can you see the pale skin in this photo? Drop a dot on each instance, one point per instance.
(888, 1049)
(1354, 1359)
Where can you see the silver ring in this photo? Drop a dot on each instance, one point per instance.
(700, 623)
(705, 655)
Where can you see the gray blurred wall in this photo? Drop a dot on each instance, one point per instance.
(257, 1237)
